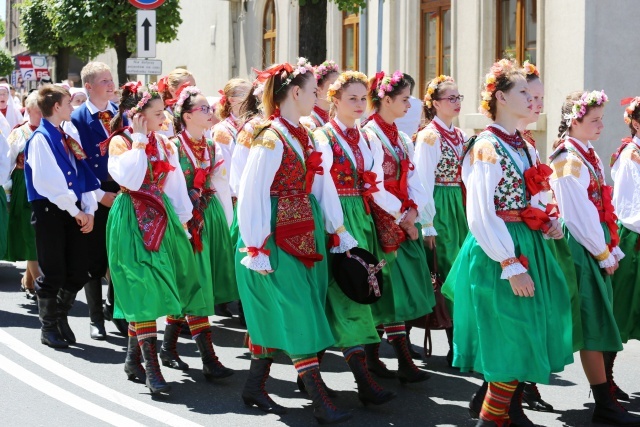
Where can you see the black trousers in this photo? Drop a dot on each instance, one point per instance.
(62, 250)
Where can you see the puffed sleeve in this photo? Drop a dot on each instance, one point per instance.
(5, 160)
(127, 166)
(417, 193)
(481, 172)
(175, 186)
(569, 182)
(426, 158)
(626, 189)
(324, 190)
(224, 139)
(220, 181)
(239, 156)
(254, 199)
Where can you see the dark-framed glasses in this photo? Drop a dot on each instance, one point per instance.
(453, 99)
(204, 108)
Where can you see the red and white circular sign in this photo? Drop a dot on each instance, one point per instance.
(146, 4)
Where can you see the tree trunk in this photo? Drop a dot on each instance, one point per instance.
(313, 31)
(123, 53)
(62, 63)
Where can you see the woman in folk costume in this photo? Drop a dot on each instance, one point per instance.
(408, 294)
(169, 88)
(512, 315)
(347, 157)
(21, 237)
(207, 182)
(625, 170)
(284, 207)
(9, 109)
(437, 160)
(585, 206)
(326, 73)
(150, 257)
(225, 132)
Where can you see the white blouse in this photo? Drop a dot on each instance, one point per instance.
(626, 188)
(224, 135)
(254, 199)
(569, 182)
(241, 153)
(129, 167)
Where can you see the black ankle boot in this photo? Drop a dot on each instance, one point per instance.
(169, 352)
(254, 392)
(475, 404)
(323, 408)
(414, 354)
(121, 325)
(516, 413)
(408, 372)
(608, 410)
(609, 359)
(155, 381)
(65, 302)
(133, 362)
(486, 423)
(211, 366)
(368, 390)
(330, 392)
(531, 396)
(93, 292)
(374, 364)
(48, 313)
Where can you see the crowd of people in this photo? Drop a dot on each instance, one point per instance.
(298, 195)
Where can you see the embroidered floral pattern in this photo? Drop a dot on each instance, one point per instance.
(448, 169)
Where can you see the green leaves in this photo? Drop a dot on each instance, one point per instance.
(6, 63)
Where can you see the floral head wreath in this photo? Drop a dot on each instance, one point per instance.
(383, 85)
(433, 86)
(185, 93)
(302, 67)
(325, 68)
(530, 69)
(147, 95)
(346, 77)
(497, 70)
(588, 99)
(258, 84)
(632, 104)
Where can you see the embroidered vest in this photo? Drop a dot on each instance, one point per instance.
(187, 166)
(448, 169)
(347, 176)
(290, 177)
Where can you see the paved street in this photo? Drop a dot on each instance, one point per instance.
(85, 385)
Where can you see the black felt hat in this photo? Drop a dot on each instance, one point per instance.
(359, 276)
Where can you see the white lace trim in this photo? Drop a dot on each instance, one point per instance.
(260, 262)
(512, 270)
(139, 137)
(617, 252)
(347, 242)
(429, 231)
(609, 262)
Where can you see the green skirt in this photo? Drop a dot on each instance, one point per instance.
(21, 237)
(503, 336)
(408, 294)
(219, 247)
(149, 285)
(599, 328)
(451, 224)
(234, 230)
(626, 287)
(285, 309)
(352, 323)
(560, 250)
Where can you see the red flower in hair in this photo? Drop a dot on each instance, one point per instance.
(223, 100)
(132, 86)
(162, 84)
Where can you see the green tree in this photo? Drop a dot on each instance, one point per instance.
(7, 64)
(312, 40)
(2, 29)
(112, 22)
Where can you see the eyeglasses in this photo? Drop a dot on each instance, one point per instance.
(204, 108)
(453, 99)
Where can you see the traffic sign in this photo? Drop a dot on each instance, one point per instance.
(151, 67)
(146, 33)
(146, 4)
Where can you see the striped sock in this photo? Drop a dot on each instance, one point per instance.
(197, 324)
(306, 363)
(350, 351)
(257, 351)
(496, 402)
(395, 330)
(132, 329)
(173, 320)
(380, 330)
(146, 330)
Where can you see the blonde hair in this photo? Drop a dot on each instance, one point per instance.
(91, 70)
(234, 87)
(277, 87)
(31, 100)
(173, 81)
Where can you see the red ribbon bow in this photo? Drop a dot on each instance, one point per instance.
(524, 261)
(200, 178)
(626, 101)
(161, 166)
(253, 252)
(608, 215)
(171, 102)
(536, 219)
(369, 177)
(162, 84)
(276, 69)
(334, 241)
(132, 86)
(536, 178)
(405, 167)
(313, 164)
(223, 100)
(378, 78)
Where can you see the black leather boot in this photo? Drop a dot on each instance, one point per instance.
(323, 408)
(408, 372)
(486, 423)
(516, 413)
(48, 313)
(133, 362)
(414, 354)
(369, 391)
(169, 352)
(609, 359)
(120, 324)
(254, 392)
(531, 396)
(330, 392)
(65, 302)
(374, 364)
(475, 404)
(155, 381)
(93, 292)
(211, 366)
(608, 410)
